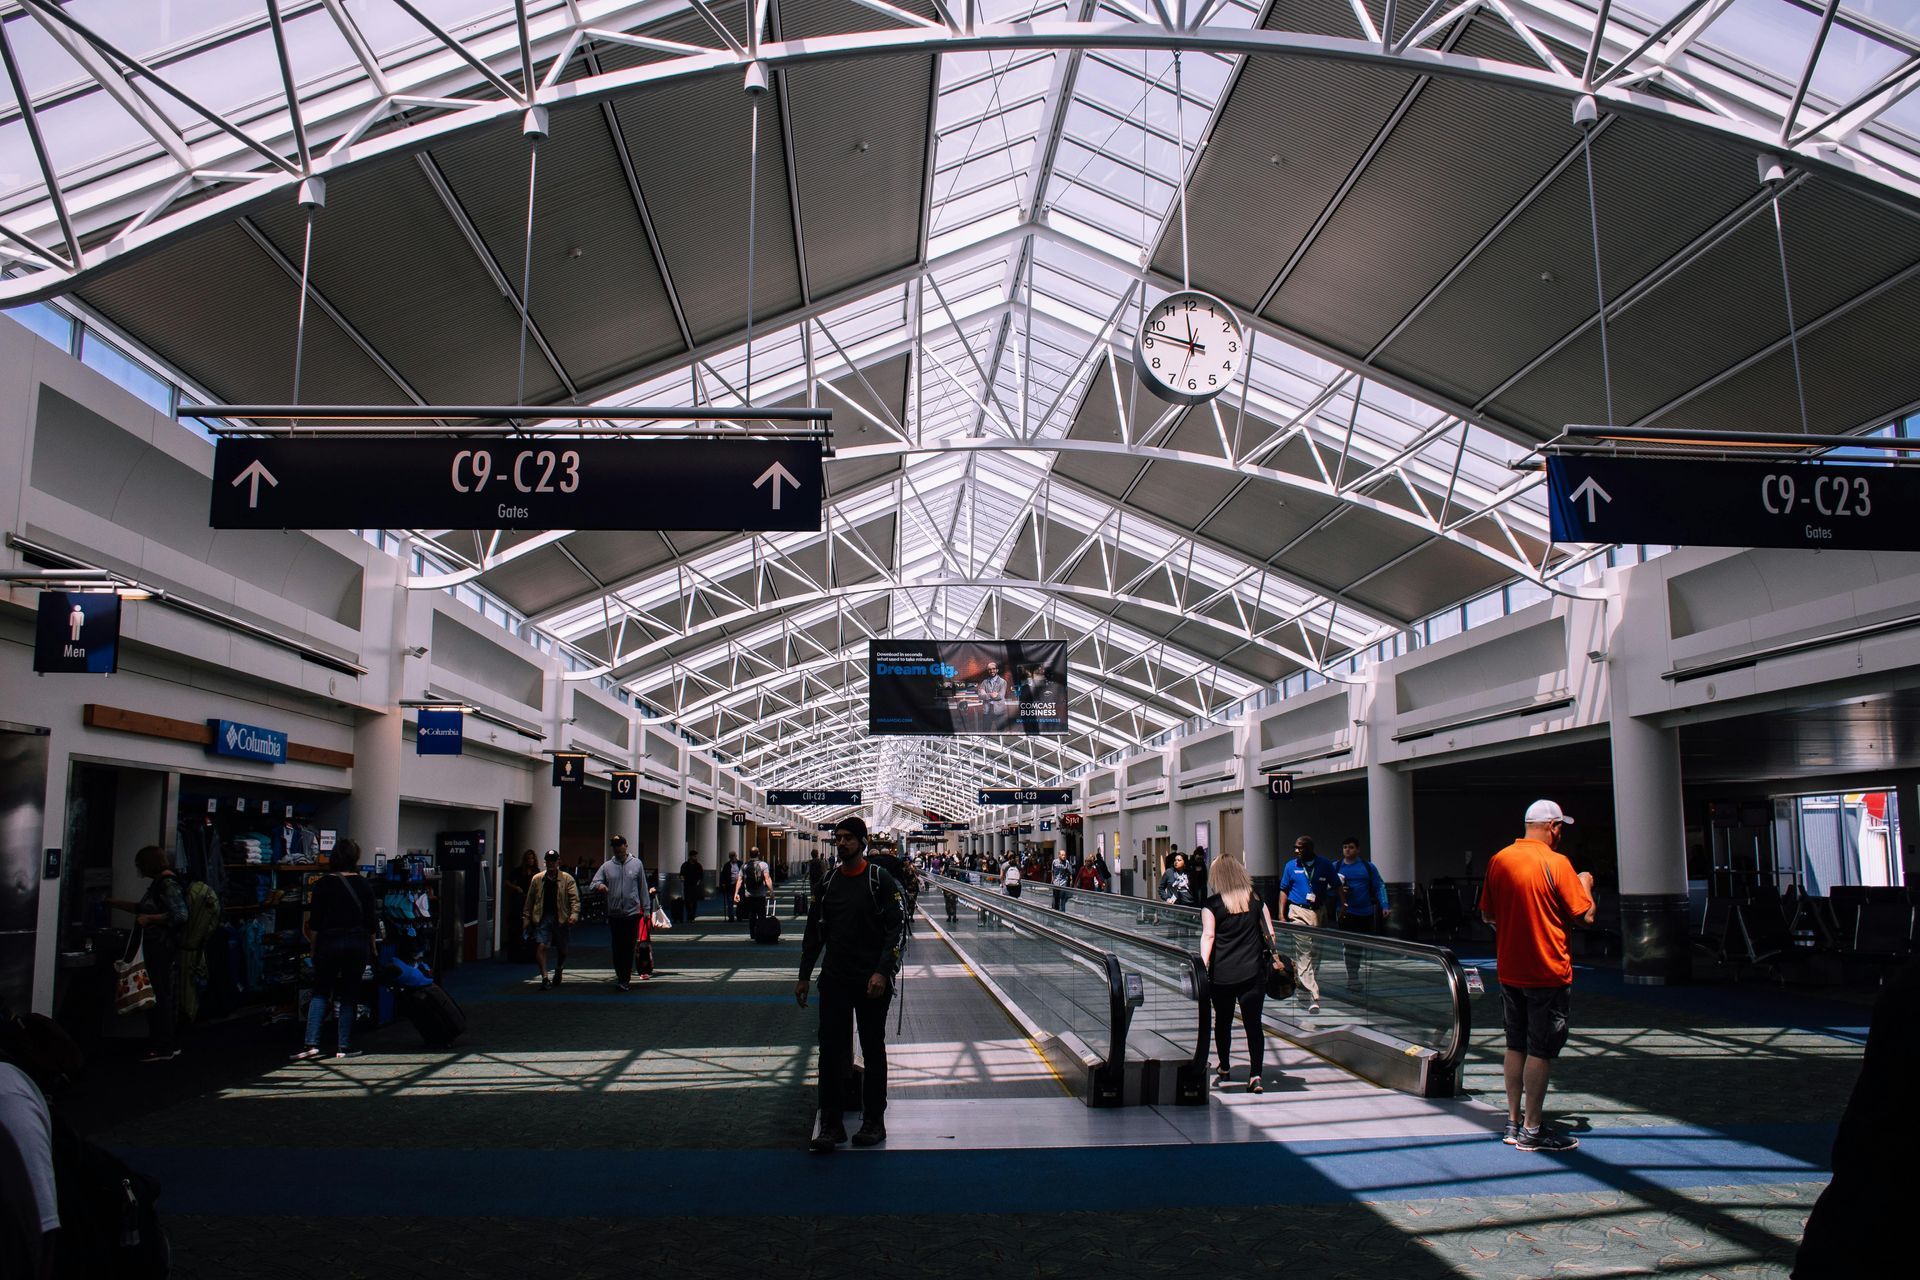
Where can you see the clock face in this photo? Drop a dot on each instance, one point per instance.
(1189, 347)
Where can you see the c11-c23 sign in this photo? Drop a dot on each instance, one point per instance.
(959, 687)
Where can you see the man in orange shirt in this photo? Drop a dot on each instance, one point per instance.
(1530, 896)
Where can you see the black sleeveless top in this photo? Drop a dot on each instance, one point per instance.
(1237, 942)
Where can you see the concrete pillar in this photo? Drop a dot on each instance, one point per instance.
(707, 841)
(1257, 832)
(1649, 820)
(378, 745)
(672, 850)
(1123, 873)
(543, 813)
(1390, 841)
(729, 843)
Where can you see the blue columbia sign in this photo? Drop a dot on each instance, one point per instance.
(247, 742)
(441, 733)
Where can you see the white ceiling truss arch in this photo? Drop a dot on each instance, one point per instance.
(291, 131)
(996, 470)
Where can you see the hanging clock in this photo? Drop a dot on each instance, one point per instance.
(1188, 347)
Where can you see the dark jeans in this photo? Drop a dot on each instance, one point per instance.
(624, 931)
(1355, 955)
(843, 1005)
(752, 907)
(733, 912)
(163, 971)
(1250, 996)
(690, 894)
(1059, 899)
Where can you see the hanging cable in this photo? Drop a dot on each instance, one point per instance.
(1586, 115)
(536, 129)
(1180, 140)
(300, 324)
(1786, 288)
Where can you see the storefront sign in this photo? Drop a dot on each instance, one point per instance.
(78, 633)
(247, 742)
(442, 733)
(626, 786)
(737, 818)
(1046, 824)
(569, 769)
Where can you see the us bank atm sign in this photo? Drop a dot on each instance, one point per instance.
(247, 742)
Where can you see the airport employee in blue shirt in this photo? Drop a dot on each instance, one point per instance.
(1363, 902)
(1307, 886)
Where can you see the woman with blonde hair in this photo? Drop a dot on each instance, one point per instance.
(1234, 933)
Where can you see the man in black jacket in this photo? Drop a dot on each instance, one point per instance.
(860, 921)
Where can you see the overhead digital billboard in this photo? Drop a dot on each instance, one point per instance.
(961, 687)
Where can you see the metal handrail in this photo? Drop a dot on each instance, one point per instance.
(1196, 966)
(1449, 1057)
(1120, 1015)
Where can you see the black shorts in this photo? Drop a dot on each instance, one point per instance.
(1536, 1019)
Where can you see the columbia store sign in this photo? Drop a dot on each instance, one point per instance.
(247, 742)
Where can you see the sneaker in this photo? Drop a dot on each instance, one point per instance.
(830, 1136)
(646, 977)
(621, 986)
(558, 974)
(1256, 1085)
(1511, 1135)
(1545, 1140)
(1221, 1077)
(544, 984)
(159, 1055)
(871, 1134)
(1313, 1007)
(307, 1054)
(349, 1053)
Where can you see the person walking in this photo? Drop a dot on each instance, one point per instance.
(1175, 888)
(693, 882)
(1104, 873)
(553, 908)
(1062, 879)
(1197, 872)
(344, 917)
(160, 918)
(1010, 878)
(1306, 884)
(1530, 896)
(1234, 933)
(860, 922)
(730, 892)
(624, 881)
(1363, 903)
(752, 894)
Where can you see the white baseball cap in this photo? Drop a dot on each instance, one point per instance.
(1545, 811)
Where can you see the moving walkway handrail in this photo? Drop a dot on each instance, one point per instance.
(1119, 1014)
(1449, 1056)
(1203, 1010)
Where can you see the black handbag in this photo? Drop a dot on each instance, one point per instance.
(1281, 979)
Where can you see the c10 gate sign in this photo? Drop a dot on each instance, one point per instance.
(1687, 502)
(516, 482)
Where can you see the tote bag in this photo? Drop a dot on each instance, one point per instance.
(133, 989)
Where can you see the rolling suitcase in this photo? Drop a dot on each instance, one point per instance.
(434, 1014)
(802, 902)
(765, 928)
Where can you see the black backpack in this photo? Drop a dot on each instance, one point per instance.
(109, 1225)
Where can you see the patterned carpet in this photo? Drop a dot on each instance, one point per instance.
(660, 1132)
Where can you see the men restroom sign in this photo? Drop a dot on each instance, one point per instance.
(77, 632)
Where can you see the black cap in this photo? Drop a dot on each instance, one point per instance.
(553, 855)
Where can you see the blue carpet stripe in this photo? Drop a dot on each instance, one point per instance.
(456, 1184)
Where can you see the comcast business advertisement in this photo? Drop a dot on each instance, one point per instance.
(951, 687)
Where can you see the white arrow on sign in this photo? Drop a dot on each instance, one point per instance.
(1590, 490)
(776, 473)
(256, 473)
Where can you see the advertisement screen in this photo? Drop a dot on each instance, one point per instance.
(960, 687)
